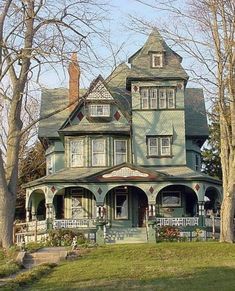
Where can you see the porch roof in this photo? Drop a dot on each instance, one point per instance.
(117, 174)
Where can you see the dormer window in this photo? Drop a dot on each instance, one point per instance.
(157, 60)
(99, 110)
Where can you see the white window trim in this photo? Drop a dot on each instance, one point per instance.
(115, 212)
(161, 60)
(153, 98)
(81, 154)
(95, 106)
(115, 152)
(168, 90)
(172, 205)
(144, 98)
(162, 98)
(92, 152)
(161, 146)
(149, 147)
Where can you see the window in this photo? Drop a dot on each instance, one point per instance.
(153, 146)
(120, 151)
(77, 203)
(157, 60)
(98, 152)
(76, 153)
(165, 146)
(121, 203)
(153, 98)
(162, 98)
(49, 161)
(171, 98)
(144, 92)
(171, 199)
(159, 146)
(157, 97)
(101, 110)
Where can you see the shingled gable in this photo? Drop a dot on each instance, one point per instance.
(98, 91)
(141, 61)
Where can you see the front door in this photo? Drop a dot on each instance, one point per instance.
(142, 209)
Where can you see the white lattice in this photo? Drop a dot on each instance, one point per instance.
(99, 93)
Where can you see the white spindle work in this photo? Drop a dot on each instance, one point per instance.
(177, 221)
(74, 223)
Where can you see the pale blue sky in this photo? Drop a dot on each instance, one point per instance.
(120, 32)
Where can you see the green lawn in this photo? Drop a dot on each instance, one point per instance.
(163, 266)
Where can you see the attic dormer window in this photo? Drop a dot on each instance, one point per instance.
(100, 110)
(157, 60)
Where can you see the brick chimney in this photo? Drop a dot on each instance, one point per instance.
(74, 76)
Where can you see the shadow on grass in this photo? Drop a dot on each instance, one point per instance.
(217, 278)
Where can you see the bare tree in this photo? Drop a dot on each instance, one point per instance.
(205, 31)
(35, 34)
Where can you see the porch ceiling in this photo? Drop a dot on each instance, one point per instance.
(115, 174)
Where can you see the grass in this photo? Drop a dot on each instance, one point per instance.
(163, 266)
(21, 281)
(7, 264)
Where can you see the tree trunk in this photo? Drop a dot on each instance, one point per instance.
(7, 213)
(227, 222)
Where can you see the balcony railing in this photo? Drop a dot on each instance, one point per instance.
(74, 223)
(209, 222)
(177, 221)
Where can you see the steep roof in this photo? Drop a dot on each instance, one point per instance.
(51, 100)
(141, 61)
(195, 114)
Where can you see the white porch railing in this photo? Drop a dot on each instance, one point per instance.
(177, 221)
(209, 222)
(40, 225)
(74, 223)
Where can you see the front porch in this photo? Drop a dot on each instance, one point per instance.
(120, 200)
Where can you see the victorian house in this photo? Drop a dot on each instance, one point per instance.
(126, 156)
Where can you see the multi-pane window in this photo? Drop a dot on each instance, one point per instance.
(153, 94)
(98, 152)
(165, 146)
(121, 204)
(144, 98)
(153, 146)
(99, 110)
(159, 146)
(171, 98)
(120, 151)
(157, 97)
(162, 98)
(76, 153)
(157, 60)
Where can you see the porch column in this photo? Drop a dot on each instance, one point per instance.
(151, 211)
(27, 214)
(49, 215)
(201, 213)
(100, 224)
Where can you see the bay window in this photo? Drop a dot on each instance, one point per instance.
(98, 152)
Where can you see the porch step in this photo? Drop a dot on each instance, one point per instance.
(126, 235)
(45, 255)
